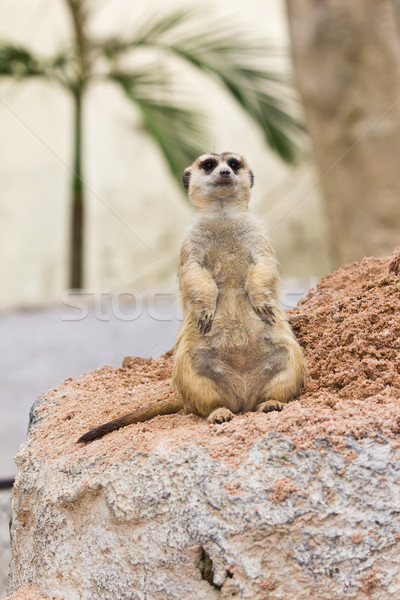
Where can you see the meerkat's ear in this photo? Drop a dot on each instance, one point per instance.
(186, 179)
(251, 175)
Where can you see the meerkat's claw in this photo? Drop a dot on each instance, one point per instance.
(204, 323)
(269, 406)
(220, 415)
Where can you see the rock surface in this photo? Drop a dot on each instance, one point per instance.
(293, 505)
(30, 592)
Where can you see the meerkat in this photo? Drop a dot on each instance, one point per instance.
(235, 351)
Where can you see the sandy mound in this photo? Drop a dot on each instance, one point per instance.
(349, 328)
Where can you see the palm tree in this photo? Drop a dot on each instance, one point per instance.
(220, 49)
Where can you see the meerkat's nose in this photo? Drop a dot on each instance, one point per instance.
(225, 173)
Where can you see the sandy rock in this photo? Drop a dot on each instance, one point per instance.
(175, 524)
(30, 592)
(293, 505)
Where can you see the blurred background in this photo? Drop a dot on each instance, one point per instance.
(104, 103)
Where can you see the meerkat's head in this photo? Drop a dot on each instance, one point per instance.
(216, 181)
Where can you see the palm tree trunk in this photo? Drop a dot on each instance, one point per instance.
(77, 221)
(78, 13)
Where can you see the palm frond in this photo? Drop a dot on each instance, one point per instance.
(267, 101)
(238, 62)
(18, 62)
(155, 25)
(175, 129)
(149, 31)
(262, 92)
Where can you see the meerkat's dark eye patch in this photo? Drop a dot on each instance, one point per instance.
(208, 165)
(234, 164)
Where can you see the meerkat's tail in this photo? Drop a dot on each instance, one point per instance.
(165, 407)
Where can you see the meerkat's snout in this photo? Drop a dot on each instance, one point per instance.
(225, 173)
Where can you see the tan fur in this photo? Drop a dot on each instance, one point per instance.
(235, 351)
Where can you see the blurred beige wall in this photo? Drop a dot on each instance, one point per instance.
(136, 215)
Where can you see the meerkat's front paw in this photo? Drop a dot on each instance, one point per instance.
(266, 313)
(204, 322)
(220, 415)
(269, 405)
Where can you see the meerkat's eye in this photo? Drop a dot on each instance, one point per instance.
(234, 164)
(208, 165)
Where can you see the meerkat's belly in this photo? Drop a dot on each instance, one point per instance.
(239, 373)
(239, 353)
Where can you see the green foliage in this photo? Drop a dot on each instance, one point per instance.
(232, 58)
(217, 47)
(18, 62)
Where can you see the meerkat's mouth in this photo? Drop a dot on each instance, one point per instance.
(223, 183)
